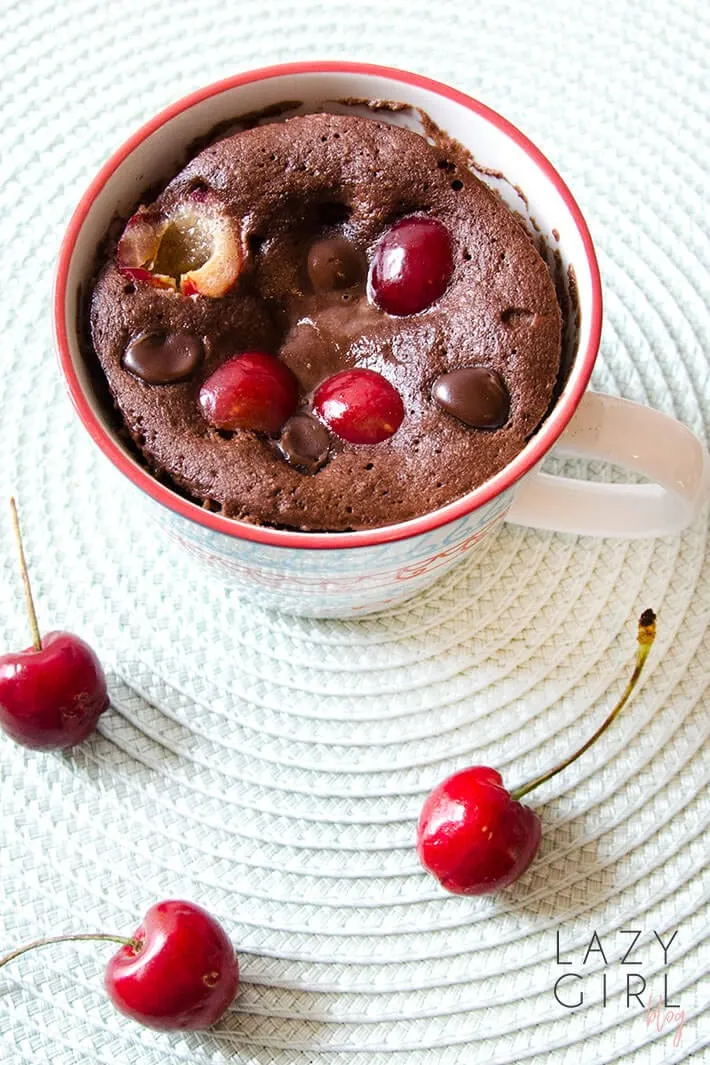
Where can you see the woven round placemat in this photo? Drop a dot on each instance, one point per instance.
(272, 768)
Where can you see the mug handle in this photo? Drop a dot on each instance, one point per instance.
(631, 435)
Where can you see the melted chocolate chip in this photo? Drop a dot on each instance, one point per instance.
(304, 443)
(335, 263)
(163, 358)
(475, 395)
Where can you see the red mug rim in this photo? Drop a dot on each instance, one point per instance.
(524, 461)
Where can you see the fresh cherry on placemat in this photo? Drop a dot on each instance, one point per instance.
(53, 693)
(177, 971)
(474, 835)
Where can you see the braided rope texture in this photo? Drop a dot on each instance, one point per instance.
(273, 768)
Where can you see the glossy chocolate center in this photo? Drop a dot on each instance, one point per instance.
(163, 358)
(335, 263)
(304, 443)
(475, 395)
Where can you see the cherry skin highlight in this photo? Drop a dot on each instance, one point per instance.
(253, 390)
(411, 266)
(360, 406)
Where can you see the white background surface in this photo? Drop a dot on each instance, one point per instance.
(273, 769)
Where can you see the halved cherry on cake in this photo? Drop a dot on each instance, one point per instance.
(253, 390)
(411, 266)
(193, 248)
(360, 405)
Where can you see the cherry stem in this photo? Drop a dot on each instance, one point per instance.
(36, 638)
(67, 939)
(645, 637)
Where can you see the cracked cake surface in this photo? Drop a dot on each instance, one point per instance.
(286, 200)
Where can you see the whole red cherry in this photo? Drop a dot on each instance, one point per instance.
(361, 406)
(177, 972)
(411, 265)
(253, 390)
(474, 835)
(53, 693)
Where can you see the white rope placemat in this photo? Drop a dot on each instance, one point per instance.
(272, 769)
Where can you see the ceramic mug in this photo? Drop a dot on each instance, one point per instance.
(356, 573)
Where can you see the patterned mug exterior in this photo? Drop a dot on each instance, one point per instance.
(336, 584)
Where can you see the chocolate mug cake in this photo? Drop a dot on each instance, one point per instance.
(324, 324)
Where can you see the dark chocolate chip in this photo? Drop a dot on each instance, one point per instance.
(335, 263)
(163, 358)
(304, 443)
(475, 395)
